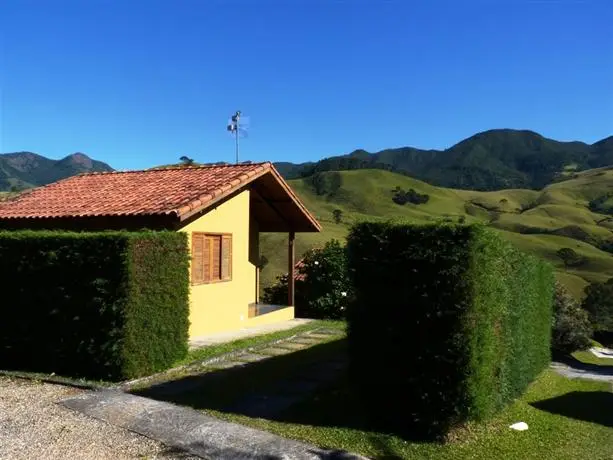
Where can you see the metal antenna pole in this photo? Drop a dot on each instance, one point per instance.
(236, 133)
(234, 127)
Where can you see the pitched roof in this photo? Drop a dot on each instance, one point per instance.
(175, 191)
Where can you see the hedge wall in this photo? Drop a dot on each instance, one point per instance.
(110, 305)
(449, 323)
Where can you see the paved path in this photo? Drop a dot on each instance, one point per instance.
(34, 426)
(189, 430)
(223, 337)
(574, 369)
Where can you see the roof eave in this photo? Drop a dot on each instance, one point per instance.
(206, 201)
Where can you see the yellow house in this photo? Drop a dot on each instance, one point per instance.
(222, 208)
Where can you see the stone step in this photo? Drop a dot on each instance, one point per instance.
(320, 337)
(328, 332)
(275, 351)
(224, 365)
(305, 341)
(291, 346)
(250, 357)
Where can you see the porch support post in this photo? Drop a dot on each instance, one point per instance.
(290, 269)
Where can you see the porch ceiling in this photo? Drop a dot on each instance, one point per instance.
(277, 209)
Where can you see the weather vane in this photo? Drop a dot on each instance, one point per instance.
(238, 129)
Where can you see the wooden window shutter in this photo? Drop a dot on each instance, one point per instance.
(198, 252)
(206, 259)
(216, 258)
(226, 257)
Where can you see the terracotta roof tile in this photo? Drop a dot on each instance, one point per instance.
(177, 191)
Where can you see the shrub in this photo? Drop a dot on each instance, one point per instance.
(449, 323)
(109, 305)
(571, 329)
(337, 214)
(570, 257)
(598, 303)
(401, 197)
(323, 288)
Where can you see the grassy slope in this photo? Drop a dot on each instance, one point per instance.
(560, 209)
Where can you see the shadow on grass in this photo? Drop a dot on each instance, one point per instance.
(588, 406)
(304, 387)
(224, 389)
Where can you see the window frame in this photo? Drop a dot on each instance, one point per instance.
(211, 235)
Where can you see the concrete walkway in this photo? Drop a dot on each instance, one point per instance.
(191, 431)
(196, 433)
(577, 370)
(223, 337)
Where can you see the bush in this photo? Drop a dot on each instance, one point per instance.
(449, 323)
(322, 289)
(598, 303)
(109, 305)
(401, 197)
(571, 329)
(570, 257)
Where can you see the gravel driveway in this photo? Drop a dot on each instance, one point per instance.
(33, 426)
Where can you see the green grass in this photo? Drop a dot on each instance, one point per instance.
(588, 357)
(565, 420)
(541, 222)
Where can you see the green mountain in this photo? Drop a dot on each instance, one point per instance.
(27, 169)
(491, 160)
(575, 212)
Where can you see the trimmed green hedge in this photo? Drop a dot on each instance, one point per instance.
(111, 305)
(449, 323)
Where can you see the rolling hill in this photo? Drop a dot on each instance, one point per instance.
(26, 169)
(492, 160)
(542, 222)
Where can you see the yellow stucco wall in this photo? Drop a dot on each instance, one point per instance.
(285, 314)
(223, 306)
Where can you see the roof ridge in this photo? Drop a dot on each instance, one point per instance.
(172, 168)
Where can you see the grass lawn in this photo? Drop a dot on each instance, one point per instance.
(567, 419)
(587, 357)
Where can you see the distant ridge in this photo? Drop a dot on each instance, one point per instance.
(21, 170)
(491, 160)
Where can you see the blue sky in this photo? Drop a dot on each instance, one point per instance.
(140, 83)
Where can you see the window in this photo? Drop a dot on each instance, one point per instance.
(211, 258)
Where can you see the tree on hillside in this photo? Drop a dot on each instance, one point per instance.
(401, 197)
(570, 257)
(186, 160)
(325, 183)
(598, 303)
(338, 216)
